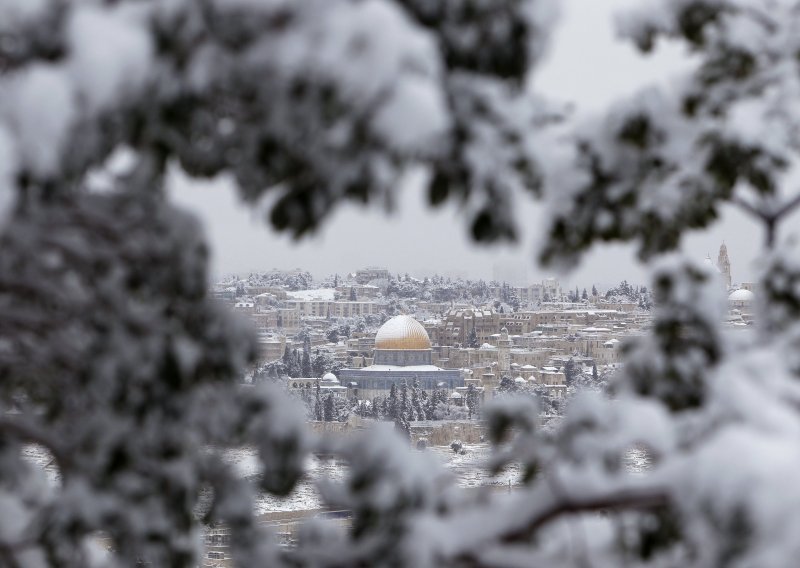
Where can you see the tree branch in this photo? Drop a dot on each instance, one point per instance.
(623, 499)
(750, 208)
(769, 218)
(787, 207)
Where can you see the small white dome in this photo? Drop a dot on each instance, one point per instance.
(329, 378)
(741, 295)
(710, 263)
(520, 380)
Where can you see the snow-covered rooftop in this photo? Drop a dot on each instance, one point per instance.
(741, 295)
(321, 294)
(409, 368)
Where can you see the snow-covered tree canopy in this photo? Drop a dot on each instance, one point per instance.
(114, 360)
(663, 161)
(310, 102)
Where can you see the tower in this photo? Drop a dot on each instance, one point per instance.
(504, 351)
(724, 264)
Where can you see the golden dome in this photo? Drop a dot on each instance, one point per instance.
(402, 332)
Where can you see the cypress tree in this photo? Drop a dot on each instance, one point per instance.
(405, 402)
(417, 412)
(392, 411)
(329, 411)
(472, 339)
(430, 407)
(472, 401)
(317, 405)
(423, 404)
(287, 361)
(569, 371)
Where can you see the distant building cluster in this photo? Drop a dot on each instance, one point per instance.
(373, 329)
(356, 335)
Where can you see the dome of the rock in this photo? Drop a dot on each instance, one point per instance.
(402, 332)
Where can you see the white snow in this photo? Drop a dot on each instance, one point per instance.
(8, 167)
(110, 56)
(319, 294)
(741, 295)
(410, 368)
(14, 13)
(39, 106)
(414, 117)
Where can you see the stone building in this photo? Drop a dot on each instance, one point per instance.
(370, 274)
(741, 300)
(343, 309)
(459, 323)
(270, 347)
(402, 353)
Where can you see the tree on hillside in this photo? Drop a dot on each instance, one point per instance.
(305, 365)
(473, 401)
(399, 408)
(406, 411)
(570, 371)
(437, 397)
(507, 384)
(422, 408)
(329, 408)
(472, 339)
(319, 412)
(378, 404)
(293, 363)
(417, 401)
(393, 405)
(333, 335)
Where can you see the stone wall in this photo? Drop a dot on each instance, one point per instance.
(442, 433)
(436, 432)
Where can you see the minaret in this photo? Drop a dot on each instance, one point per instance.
(504, 351)
(724, 264)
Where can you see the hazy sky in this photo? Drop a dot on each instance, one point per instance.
(586, 65)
